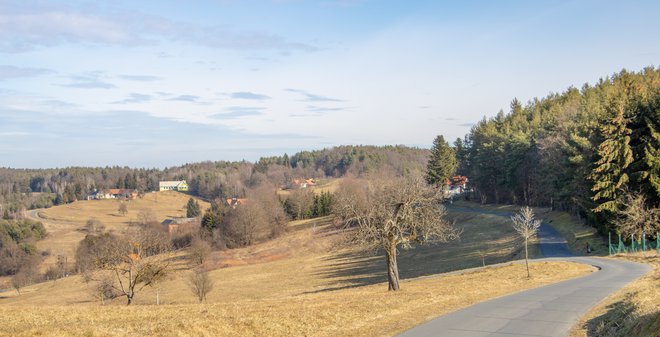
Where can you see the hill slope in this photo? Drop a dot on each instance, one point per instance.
(65, 224)
(303, 283)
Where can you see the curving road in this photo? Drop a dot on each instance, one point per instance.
(547, 311)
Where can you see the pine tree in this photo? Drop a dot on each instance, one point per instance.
(645, 141)
(192, 208)
(610, 176)
(443, 164)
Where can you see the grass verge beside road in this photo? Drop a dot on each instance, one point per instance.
(632, 311)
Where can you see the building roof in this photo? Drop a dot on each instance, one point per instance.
(178, 221)
(173, 183)
(236, 201)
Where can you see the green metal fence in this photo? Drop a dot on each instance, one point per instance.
(639, 245)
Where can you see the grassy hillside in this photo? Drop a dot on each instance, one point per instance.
(65, 224)
(360, 311)
(577, 234)
(324, 185)
(301, 284)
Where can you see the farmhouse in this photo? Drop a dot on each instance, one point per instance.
(174, 225)
(455, 186)
(303, 183)
(178, 185)
(233, 202)
(113, 193)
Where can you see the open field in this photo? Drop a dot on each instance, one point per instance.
(577, 234)
(324, 185)
(65, 223)
(305, 283)
(632, 311)
(361, 311)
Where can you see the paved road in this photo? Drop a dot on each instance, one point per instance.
(547, 311)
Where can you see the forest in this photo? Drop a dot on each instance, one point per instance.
(593, 151)
(23, 189)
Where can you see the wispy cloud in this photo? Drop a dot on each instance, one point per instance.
(134, 98)
(25, 28)
(248, 95)
(185, 98)
(139, 78)
(323, 110)
(92, 80)
(7, 72)
(310, 97)
(235, 112)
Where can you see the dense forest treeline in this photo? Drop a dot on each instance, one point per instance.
(582, 150)
(22, 189)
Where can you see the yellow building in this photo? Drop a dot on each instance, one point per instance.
(179, 185)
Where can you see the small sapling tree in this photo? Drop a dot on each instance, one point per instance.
(526, 226)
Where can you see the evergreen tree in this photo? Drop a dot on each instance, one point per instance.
(192, 208)
(610, 176)
(443, 164)
(645, 141)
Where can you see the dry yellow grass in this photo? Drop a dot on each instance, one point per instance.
(65, 223)
(325, 185)
(577, 233)
(360, 311)
(632, 311)
(304, 283)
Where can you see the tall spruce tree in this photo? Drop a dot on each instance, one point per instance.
(192, 208)
(443, 164)
(610, 176)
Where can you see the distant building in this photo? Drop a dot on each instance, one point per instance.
(174, 225)
(303, 183)
(179, 185)
(233, 202)
(455, 186)
(113, 193)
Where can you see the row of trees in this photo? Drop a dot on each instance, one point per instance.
(585, 150)
(22, 189)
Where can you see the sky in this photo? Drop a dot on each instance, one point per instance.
(161, 83)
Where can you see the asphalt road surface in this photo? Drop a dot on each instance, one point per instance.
(547, 311)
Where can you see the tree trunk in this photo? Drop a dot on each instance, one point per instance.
(392, 268)
(526, 258)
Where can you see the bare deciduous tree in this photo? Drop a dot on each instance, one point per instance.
(138, 260)
(123, 209)
(200, 283)
(105, 288)
(20, 280)
(391, 213)
(636, 217)
(525, 224)
(94, 226)
(199, 250)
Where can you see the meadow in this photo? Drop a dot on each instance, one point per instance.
(308, 282)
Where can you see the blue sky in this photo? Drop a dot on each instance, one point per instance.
(162, 83)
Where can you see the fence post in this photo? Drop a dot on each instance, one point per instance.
(621, 247)
(644, 241)
(609, 242)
